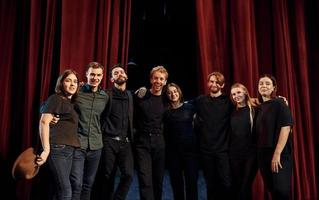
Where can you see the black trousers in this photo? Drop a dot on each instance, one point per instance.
(117, 154)
(217, 174)
(279, 184)
(244, 169)
(150, 160)
(183, 170)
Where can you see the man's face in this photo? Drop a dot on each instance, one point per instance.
(213, 85)
(118, 76)
(158, 81)
(94, 76)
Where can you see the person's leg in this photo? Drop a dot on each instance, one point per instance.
(208, 167)
(60, 164)
(249, 173)
(158, 165)
(90, 168)
(191, 175)
(175, 173)
(144, 168)
(126, 166)
(110, 153)
(282, 180)
(224, 176)
(76, 176)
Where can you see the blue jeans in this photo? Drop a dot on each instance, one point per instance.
(84, 168)
(60, 164)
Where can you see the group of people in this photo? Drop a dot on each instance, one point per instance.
(229, 136)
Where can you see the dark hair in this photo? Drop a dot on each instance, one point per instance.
(94, 65)
(116, 66)
(59, 83)
(274, 83)
(181, 98)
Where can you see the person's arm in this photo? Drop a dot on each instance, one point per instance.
(282, 140)
(44, 131)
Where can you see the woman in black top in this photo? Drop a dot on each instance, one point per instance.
(273, 125)
(60, 140)
(181, 145)
(242, 149)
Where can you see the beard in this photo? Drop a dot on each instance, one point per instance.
(120, 80)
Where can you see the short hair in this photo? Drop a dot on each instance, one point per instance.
(160, 69)
(59, 89)
(116, 66)
(181, 98)
(274, 83)
(219, 76)
(94, 65)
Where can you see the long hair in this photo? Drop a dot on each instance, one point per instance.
(274, 82)
(181, 98)
(248, 100)
(59, 89)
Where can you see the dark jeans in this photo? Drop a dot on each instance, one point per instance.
(244, 169)
(117, 154)
(84, 168)
(60, 165)
(183, 170)
(217, 174)
(150, 158)
(279, 184)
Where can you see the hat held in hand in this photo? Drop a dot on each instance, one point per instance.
(25, 166)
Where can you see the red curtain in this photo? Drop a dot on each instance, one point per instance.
(246, 38)
(38, 40)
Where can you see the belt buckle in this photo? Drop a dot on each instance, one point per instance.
(117, 138)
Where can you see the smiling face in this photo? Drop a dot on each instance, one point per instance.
(214, 86)
(173, 94)
(266, 87)
(158, 81)
(239, 96)
(119, 76)
(70, 85)
(94, 77)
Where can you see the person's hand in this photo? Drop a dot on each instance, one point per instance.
(42, 158)
(275, 163)
(141, 92)
(55, 120)
(285, 99)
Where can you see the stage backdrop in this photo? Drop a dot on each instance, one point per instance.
(240, 38)
(38, 40)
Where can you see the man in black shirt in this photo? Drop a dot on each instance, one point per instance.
(149, 141)
(212, 123)
(117, 126)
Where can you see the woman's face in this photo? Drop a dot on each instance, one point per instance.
(70, 84)
(172, 94)
(238, 95)
(265, 87)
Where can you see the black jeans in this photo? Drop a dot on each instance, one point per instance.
(217, 174)
(183, 170)
(117, 154)
(279, 184)
(244, 169)
(150, 158)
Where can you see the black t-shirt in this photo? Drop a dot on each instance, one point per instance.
(272, 116)
(65, 131)
(149, 112)
(178, 124)
(242, 136)
(213, 122)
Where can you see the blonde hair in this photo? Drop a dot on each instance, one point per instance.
(249, 102)
(160, 69)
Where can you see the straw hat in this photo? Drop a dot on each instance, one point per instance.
(25, 166)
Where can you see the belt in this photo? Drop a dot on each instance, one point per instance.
(118, 138)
